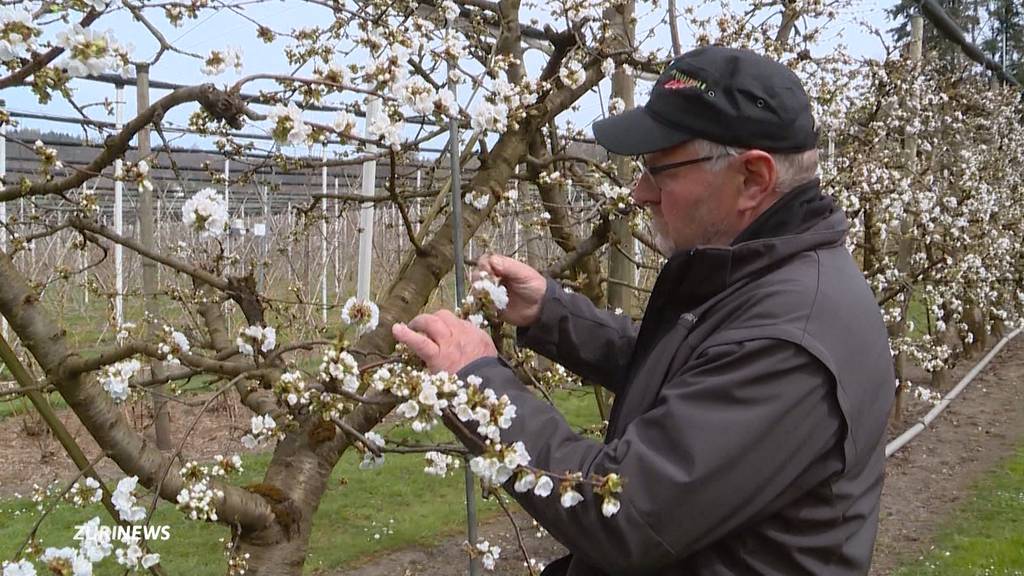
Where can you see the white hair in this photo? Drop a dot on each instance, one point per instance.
(792, 169)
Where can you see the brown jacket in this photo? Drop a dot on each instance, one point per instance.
(750, 411)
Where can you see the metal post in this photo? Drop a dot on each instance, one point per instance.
(260, 231)
(118, 212)
(366, 210)
(337, 243)
(227, 205)
(454, 152)
(323, 240)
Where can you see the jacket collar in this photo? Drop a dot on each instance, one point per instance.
(802, 220)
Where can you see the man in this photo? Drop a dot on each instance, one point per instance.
(751, 405)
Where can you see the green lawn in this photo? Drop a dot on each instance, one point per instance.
(364, 513)
(986, 536)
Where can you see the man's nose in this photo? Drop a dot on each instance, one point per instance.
(643, 193)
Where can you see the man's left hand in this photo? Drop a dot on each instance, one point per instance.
(443, 341)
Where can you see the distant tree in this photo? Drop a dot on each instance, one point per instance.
(1005, 39)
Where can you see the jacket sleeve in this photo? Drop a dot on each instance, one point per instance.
(595, 344)
(737, 429)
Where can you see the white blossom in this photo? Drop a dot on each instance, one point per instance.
(476, 199)
(340, 367)
(487, 116)
(115, 378)
(610, 506)
(96, 543)
(251, 337)
(489, 554)
(289, 128)
(16, 33)
(361, 313)
(543, 487)
(207, 212)
(19, 568)
(571, 498)
(89, 52)
(262, 427)
(489, 291)
(344, 122)
(445, 103)
(438, 463)
(572, 74)
(525, 482)
(65, 560)
(219, 60)
(384, 128)
(123, 500)
(608, 67)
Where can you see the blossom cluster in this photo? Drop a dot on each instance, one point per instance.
(94, 546)
(90, 52)
(488, 554)
(291, 387)
(85, 492)
(47, 157)
(288, 125)
(124, 500)
(197, 497)
(339, 369)
(174, 344)
(439, 463)
(262, 428)
(207, 212)
(485, 300)
(252, 338)
(115, 378)
(219, 60)
(17, 33)
(370, 459)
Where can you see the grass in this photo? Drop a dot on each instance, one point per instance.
(364, 513)
(986, 536)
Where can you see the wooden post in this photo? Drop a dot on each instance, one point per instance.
(158, 397)
(906, 243)
(621, 270)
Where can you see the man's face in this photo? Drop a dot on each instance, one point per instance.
(691, 205)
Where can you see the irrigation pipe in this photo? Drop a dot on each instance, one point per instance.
(923, 423)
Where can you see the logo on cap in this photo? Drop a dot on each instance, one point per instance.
(681, 81)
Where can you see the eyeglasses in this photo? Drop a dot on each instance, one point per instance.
(651, 171)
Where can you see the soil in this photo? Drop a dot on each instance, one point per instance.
(925, 481)
(30, 455)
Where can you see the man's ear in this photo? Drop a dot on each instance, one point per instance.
(759, 177)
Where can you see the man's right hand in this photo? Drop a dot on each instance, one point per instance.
(525, 287)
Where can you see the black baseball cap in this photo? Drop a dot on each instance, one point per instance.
(725, 95)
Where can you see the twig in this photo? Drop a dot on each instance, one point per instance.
(181, 266)
(353, 433)
(53, 503)
(626, 284)
(401, 210)
(519, 535)
(181, 445)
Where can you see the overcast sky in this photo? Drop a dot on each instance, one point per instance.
(219, 29)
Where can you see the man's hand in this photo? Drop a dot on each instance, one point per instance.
(443, 341)
(525, 287)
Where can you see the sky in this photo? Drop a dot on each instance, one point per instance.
(217, 30)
